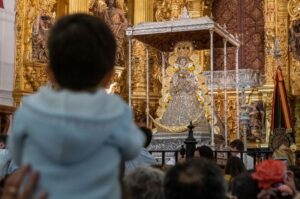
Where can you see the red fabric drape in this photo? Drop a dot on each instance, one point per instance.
(280, 91)
(1, 4)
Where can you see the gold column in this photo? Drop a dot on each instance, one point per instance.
(78, 6)
(62, 7)
(270, 34)
(196, 9)
(276, 26)
(282, 32)
(143, 11)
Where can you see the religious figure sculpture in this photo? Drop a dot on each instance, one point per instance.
(183, 106)
(294, 40)
(183, 94)
(39, 38)
(257, 119)
(118, 23)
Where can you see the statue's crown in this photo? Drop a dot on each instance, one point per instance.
(184, 49)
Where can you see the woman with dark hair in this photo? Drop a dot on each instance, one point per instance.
(234, 167)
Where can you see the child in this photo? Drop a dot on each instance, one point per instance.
(76, 135)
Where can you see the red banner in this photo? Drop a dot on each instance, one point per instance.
(280, 108)
(1, 4)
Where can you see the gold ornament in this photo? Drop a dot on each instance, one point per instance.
(294, 9)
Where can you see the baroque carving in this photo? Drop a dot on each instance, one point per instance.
(294, 45)
(35, 76)
(294, 9)
(117, 21)
(294, 40)
(231, 119)
(257, 115)
(40, 38)
(165, 10)
(270, 34)
(32, 25)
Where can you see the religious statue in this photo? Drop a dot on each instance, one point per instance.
(257, 120)
(183, 106)
(294, 40)
(39, 38)
(183, 99)
(117, 22)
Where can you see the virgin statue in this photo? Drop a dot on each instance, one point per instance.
(184, 94)
(183, 106)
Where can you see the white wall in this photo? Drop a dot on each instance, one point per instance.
(7, 51)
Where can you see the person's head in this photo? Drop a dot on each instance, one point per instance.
(236, 146)
(204, 152)
(244, 187)
(110, 3)
(195, 179)
(234, 166)
(145, 183)
(148, 134)
(82, 53)
(285, 154)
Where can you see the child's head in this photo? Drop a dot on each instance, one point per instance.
(82, 52)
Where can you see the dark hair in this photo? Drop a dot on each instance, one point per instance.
(148, 133)
(244, 187)
(234, 166)
(238, 144)
(3, 138)
(82, 51)
(205, 152)
(195, 179)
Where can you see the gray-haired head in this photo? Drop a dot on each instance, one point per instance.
(145, 183)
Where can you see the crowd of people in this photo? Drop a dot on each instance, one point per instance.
(74, 141)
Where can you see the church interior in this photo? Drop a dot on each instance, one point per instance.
(215, 63)
(149, 99)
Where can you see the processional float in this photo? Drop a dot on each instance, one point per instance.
(205, 34)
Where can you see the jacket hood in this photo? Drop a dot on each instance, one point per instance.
(68, 126)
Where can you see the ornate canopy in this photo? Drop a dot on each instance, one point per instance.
(164, 35)
(204, 33)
